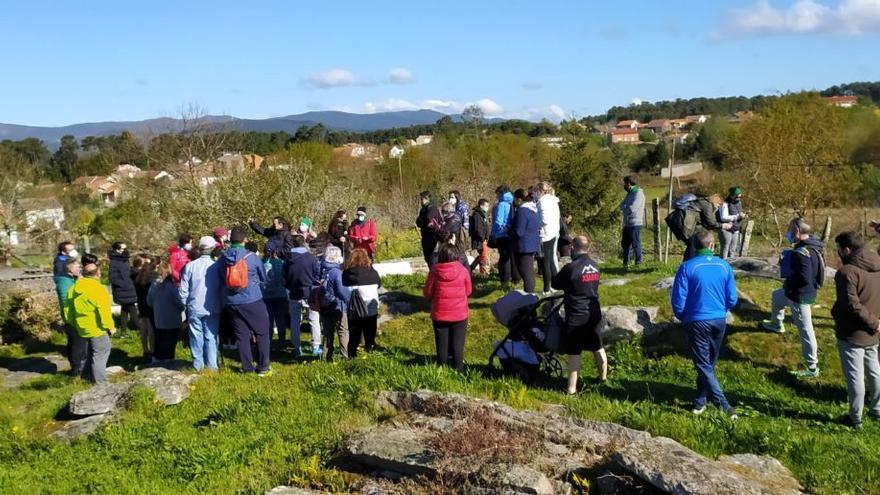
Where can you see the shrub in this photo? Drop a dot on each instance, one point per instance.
(26, 316)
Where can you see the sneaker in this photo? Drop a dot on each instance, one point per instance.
(731, 414)
(807, 373)
(772, 326)
(697, 410)
(263, 374)
(317, 351)
(848, 421)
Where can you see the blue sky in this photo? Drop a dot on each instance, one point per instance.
(68, 62)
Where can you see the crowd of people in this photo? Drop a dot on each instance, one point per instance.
(224, 292)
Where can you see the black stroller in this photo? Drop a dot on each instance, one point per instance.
(534, 329)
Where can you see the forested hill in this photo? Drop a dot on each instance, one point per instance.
(727, 105)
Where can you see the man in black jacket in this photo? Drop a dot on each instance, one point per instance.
(122, 286)
(579, 281)
(430, 223)
(803, 268)
(856, 314)
(300, 275)
(480, 228)
(276, 234)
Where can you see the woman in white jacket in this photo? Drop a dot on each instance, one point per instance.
(364, 282)
(548, 211)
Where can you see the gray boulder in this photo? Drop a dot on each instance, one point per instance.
(100, 399)
(15, 379)
(756, 267)
(171, 387)
(392, 448)
(71, 430)
(763, 470)
(621, 323)
(613, 282)
(664, 283)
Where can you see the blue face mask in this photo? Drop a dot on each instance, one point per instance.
(789, 236)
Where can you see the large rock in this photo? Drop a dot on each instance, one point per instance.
(613, 282)
(625, 322)
(763, 470)
(171, 387)
(15, 379)
(673, 468)
(100, 399)
(24, 370)
(756, 267)
(664, 283)
(72, 430)
(392, 448)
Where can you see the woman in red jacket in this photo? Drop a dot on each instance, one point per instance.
(448, 287)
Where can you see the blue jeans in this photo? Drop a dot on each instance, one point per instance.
(632, 241)
(203, 331)
(705, 339)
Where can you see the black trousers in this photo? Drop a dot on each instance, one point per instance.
(548, 263)
(358, 327)
(690, 248)
(166, 343)
(127, 313)
(507, 270)
(429, 243)
(75, 350)
(526, 264)
(449, 337)
(252, 320)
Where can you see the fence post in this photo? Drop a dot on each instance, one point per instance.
(655, 211)
(747, 238)
(826, 232)
(865, 223)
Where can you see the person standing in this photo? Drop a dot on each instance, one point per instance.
(803, 268)
(333, 302)
(462, 210)
(337, 230)
(87, 310)
(363, 232)
(480, 230)
(528, 239)
(452, 223)
(164, 299)
(564, 245)
(275, 295)
(703, 292)
(122, 286)
(448, 287)
(579, 281)
(61, 277)
(363, 308)
(731, 212)
(502, 224)
(178, 256)
(143, 276)
(201, 294)
(305, 229)
(301, 271)
(548, 210)
(244, 302)
(429, 222)
(275, 234)
(633, 208)
(73, 347)
(856, 314)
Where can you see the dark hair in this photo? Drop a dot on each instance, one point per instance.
(851, 240)
(444, 236)
(117, 245)
(284, 223)
(630, 180)
(704, 239)
(581, 243)
(502, 189)
(251, 246)
(238, 234)
(521, 194)
(62, 245)
(90, 270)
(425, 195)
(338, 215)
(297, 241)
(801, 224)
(184, 239)
(455, 194)
(447, 253)
(482, 201)
(359, 258)
(89, 259)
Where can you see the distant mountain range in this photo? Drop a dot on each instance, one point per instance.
(340, 121)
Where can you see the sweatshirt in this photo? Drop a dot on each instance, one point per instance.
(88, 308)
(704, 289)
(548, 209)
(502, 216)
(633, 208)
(527, 229)
(256, 276)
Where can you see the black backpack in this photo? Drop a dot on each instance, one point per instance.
(357, 307)
(683, 220)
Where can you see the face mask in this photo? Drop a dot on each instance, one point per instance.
(453, 201)
(485, 208)
(789, 236)
(73, 253)
(303, 227)
(188, 246)
(361, 218)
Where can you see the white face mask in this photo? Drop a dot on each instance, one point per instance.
(452, 200)
(188, 246)
(73, 253)
(303, 227)
(361, 218)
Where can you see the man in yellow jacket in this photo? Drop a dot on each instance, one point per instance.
(88, 311)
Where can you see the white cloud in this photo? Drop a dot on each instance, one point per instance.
(553, 113)
(636, 101)
(401, 75)
(845, 18)
(333, 78)
(489, 107)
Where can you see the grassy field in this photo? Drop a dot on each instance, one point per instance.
(243, 434)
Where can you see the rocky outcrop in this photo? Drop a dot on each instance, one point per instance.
(27, 369)
(664, 283)
(433, 440)
(756, 267)
(621, 323)
(71, 430)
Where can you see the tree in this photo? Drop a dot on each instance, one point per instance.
(647, 136)
(64, 160)
(472, 116)
(709, 139)
(586, 183)
(656, 158)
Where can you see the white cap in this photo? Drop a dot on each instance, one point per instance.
(207, 242)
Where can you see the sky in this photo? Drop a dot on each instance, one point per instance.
(69, 62)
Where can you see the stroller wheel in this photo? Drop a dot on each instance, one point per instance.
(551, 366)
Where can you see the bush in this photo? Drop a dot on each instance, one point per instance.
(26, 316)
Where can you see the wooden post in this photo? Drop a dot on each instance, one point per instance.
(655, 210)
(826, 232)
(668, 211)
(747, 238)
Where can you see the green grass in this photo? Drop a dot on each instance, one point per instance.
(242, 434)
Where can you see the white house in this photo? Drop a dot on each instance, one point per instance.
(48, 211)
(424, 139)
(396, 152)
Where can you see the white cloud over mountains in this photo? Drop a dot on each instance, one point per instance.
(843, 18)
(342, 78)
(490, 108)
(401, 75)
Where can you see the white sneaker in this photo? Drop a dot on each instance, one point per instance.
(699, 410)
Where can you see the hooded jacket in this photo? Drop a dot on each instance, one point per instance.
(177, 259)
(502, 216)
(528, 228)
(120, 278)
(448, 287)
(479, 228)
(163, 297)
(452, 223)
(856, 310)
(363, 235)
(805, 263)
(548, 209)
(275, 236)
(633, 208)
(256, 276)
(579, 280)
(430, 220)
(367, 282)
(333, 273)
(59, 266)
(301, 272)
(88, 308)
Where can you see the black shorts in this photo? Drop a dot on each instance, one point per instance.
(579, 338)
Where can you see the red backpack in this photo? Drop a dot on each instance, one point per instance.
(237, 274)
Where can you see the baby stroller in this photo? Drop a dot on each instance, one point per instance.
(534, 329)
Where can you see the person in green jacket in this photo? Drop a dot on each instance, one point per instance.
(87, 310)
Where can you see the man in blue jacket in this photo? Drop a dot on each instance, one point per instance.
(527, 226)
(301, 273)
(245, 306)
(804, 272)
(502, 214)
(703, 292)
